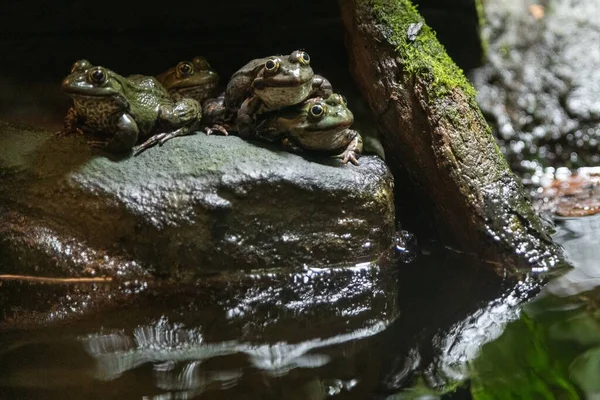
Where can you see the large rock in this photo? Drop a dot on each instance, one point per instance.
(197, 205)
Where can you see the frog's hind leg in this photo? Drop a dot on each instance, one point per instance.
(161, 138)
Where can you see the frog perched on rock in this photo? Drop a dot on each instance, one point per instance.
(266, 84)
(316, 124)
(121, 110)
(193, 79)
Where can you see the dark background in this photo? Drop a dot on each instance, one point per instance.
(39, 41)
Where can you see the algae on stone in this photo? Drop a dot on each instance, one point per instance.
(437, 143)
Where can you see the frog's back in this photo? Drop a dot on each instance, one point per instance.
(148, 83)
(240, 82)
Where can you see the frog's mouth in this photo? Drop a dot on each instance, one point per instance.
(82, 88)
(209, 82)
(330, 127)
(89, 91)
(280, 81)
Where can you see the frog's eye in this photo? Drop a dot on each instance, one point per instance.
(97, 75)
(344, 99)
(303, 58)
(317, 110)
(272, 65)
(184, 69)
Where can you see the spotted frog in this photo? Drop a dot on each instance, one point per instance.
(120, 110)
(316, 124)
(267, 84)
(190, 79)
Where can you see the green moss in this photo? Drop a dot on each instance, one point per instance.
(481, 22)
(423, 57)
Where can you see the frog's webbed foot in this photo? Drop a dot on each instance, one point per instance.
(353, 150)
(160, 139)
(67, 131)
(216, 128)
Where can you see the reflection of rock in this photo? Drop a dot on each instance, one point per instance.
(279, 334)
(177, 354)
(199, 204)
(161, 343)
(541, 86)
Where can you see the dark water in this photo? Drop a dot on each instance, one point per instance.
(426, 341)
(541, 341)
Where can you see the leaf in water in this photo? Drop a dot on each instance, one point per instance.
(585, 372)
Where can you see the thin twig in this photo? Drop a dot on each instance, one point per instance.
(53, 280)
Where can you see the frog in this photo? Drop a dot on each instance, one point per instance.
(267, 84)
(317, 124)
(120, 110)
(190, 79)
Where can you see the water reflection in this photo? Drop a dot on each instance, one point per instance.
(579, 236)
(177, 354)
(310, 336)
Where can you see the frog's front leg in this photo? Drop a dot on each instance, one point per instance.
(71, 123)
(215, 113)
(246, 120)
(124, 137)
(354, 148)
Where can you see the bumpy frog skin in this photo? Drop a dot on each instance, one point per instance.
(190, 79)
(316, 124)
(268, 84)
(124, 109)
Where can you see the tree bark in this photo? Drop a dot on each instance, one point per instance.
(434, 134)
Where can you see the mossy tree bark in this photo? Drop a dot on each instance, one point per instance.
(434, 134)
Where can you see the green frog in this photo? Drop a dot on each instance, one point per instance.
(194, 79)
(316, 124)
(120, 110)
(267, 84)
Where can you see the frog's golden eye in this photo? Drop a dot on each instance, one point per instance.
(317, 110)
(184, 69)
(272, 65)
(303, 58)
(97, 75)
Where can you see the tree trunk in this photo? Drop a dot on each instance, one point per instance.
(434, 134)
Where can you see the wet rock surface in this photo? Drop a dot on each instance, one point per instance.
(540, 89)
(199, 205)
(249, 232)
